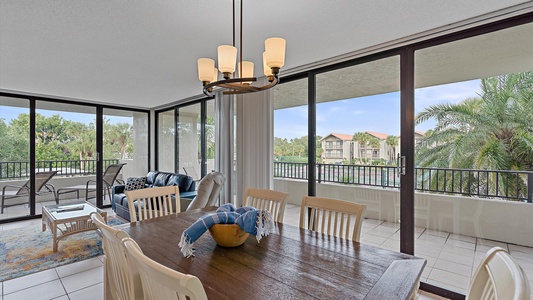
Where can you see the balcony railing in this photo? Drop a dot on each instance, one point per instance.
(13, 170)
(495, 184)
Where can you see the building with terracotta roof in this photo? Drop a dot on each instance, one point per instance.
(339, 147)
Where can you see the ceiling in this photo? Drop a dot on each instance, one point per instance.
(143, 53)
(457, 61)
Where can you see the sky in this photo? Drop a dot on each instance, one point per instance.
(378, 113)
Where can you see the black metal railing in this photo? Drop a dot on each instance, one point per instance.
(12, 170)
(512, 185)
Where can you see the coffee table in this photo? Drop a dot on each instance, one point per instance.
(67, 219)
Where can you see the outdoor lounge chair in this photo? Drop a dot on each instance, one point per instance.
(110, 176)
(42, 187)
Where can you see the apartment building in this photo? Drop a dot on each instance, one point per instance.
(339, 147)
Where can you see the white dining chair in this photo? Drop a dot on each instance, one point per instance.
(498, 276)
(120, 281)
(153, 202)
(273, 201)
(332, 216)
(160, 282)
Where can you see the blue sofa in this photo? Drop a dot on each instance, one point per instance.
(186, 185)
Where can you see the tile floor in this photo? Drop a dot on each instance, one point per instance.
(451, 260)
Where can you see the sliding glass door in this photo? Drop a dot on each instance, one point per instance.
(474, 175)
(15, 167)
(125, 141)
(358, 140)
(186, 139)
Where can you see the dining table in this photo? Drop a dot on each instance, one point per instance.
(290, 263)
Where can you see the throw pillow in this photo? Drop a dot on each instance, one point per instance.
(135, 183)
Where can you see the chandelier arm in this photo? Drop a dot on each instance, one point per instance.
(235, 86)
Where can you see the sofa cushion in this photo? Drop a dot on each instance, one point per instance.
(150, 177)
(135, 183)
(182, 181)
(162, 178)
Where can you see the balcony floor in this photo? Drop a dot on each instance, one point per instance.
(451, 260)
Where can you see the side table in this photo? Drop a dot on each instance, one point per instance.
(64, 220)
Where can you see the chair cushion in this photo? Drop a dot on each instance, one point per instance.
(182, 181)
(135, 183)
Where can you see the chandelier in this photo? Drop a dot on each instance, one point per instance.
(273, 60)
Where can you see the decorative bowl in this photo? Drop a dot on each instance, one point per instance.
(228, 235)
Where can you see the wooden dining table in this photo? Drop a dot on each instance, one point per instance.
(291, 263)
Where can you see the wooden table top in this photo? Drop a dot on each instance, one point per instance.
(292, 263)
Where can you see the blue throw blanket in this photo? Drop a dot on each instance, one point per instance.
(251, 220)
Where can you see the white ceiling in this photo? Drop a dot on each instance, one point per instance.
(143, 53)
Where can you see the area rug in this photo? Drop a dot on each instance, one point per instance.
(28, 250)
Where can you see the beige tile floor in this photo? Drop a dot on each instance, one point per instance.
(451, 261)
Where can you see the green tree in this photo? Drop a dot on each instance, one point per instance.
(364, 140)
(118, 139)
(50, 135)
(82, 141)
(14, 147)
(492, 131)
(392, 142)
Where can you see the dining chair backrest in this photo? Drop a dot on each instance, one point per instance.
(498, 276)
(111, 173)
(160, 282)
(273, 201)
(124, 282)
(153, 202)
(41, 179)
(332, 216)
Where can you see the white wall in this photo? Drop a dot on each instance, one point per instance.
(506, 221)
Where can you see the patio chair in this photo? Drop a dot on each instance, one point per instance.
(42, 187)
(110, 176)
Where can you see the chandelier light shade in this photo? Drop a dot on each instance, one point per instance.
(227, 56)
(246, 70)
(205, 69)
(275, 52)
(240, 82)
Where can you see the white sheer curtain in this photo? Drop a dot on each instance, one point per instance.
(224, 141)
(254, 142)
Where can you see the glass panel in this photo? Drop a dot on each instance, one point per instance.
(125, 142)
(358, 129)
(290, 145)
(14, 154)
(210, 135)
(166, 135)
(65, 142)
(189, 139)
(474, 174)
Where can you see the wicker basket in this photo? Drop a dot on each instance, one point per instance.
(228, 235)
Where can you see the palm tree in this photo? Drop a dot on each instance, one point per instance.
(392, 142)
(363, 140)
(492, 131)
(120, 135)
